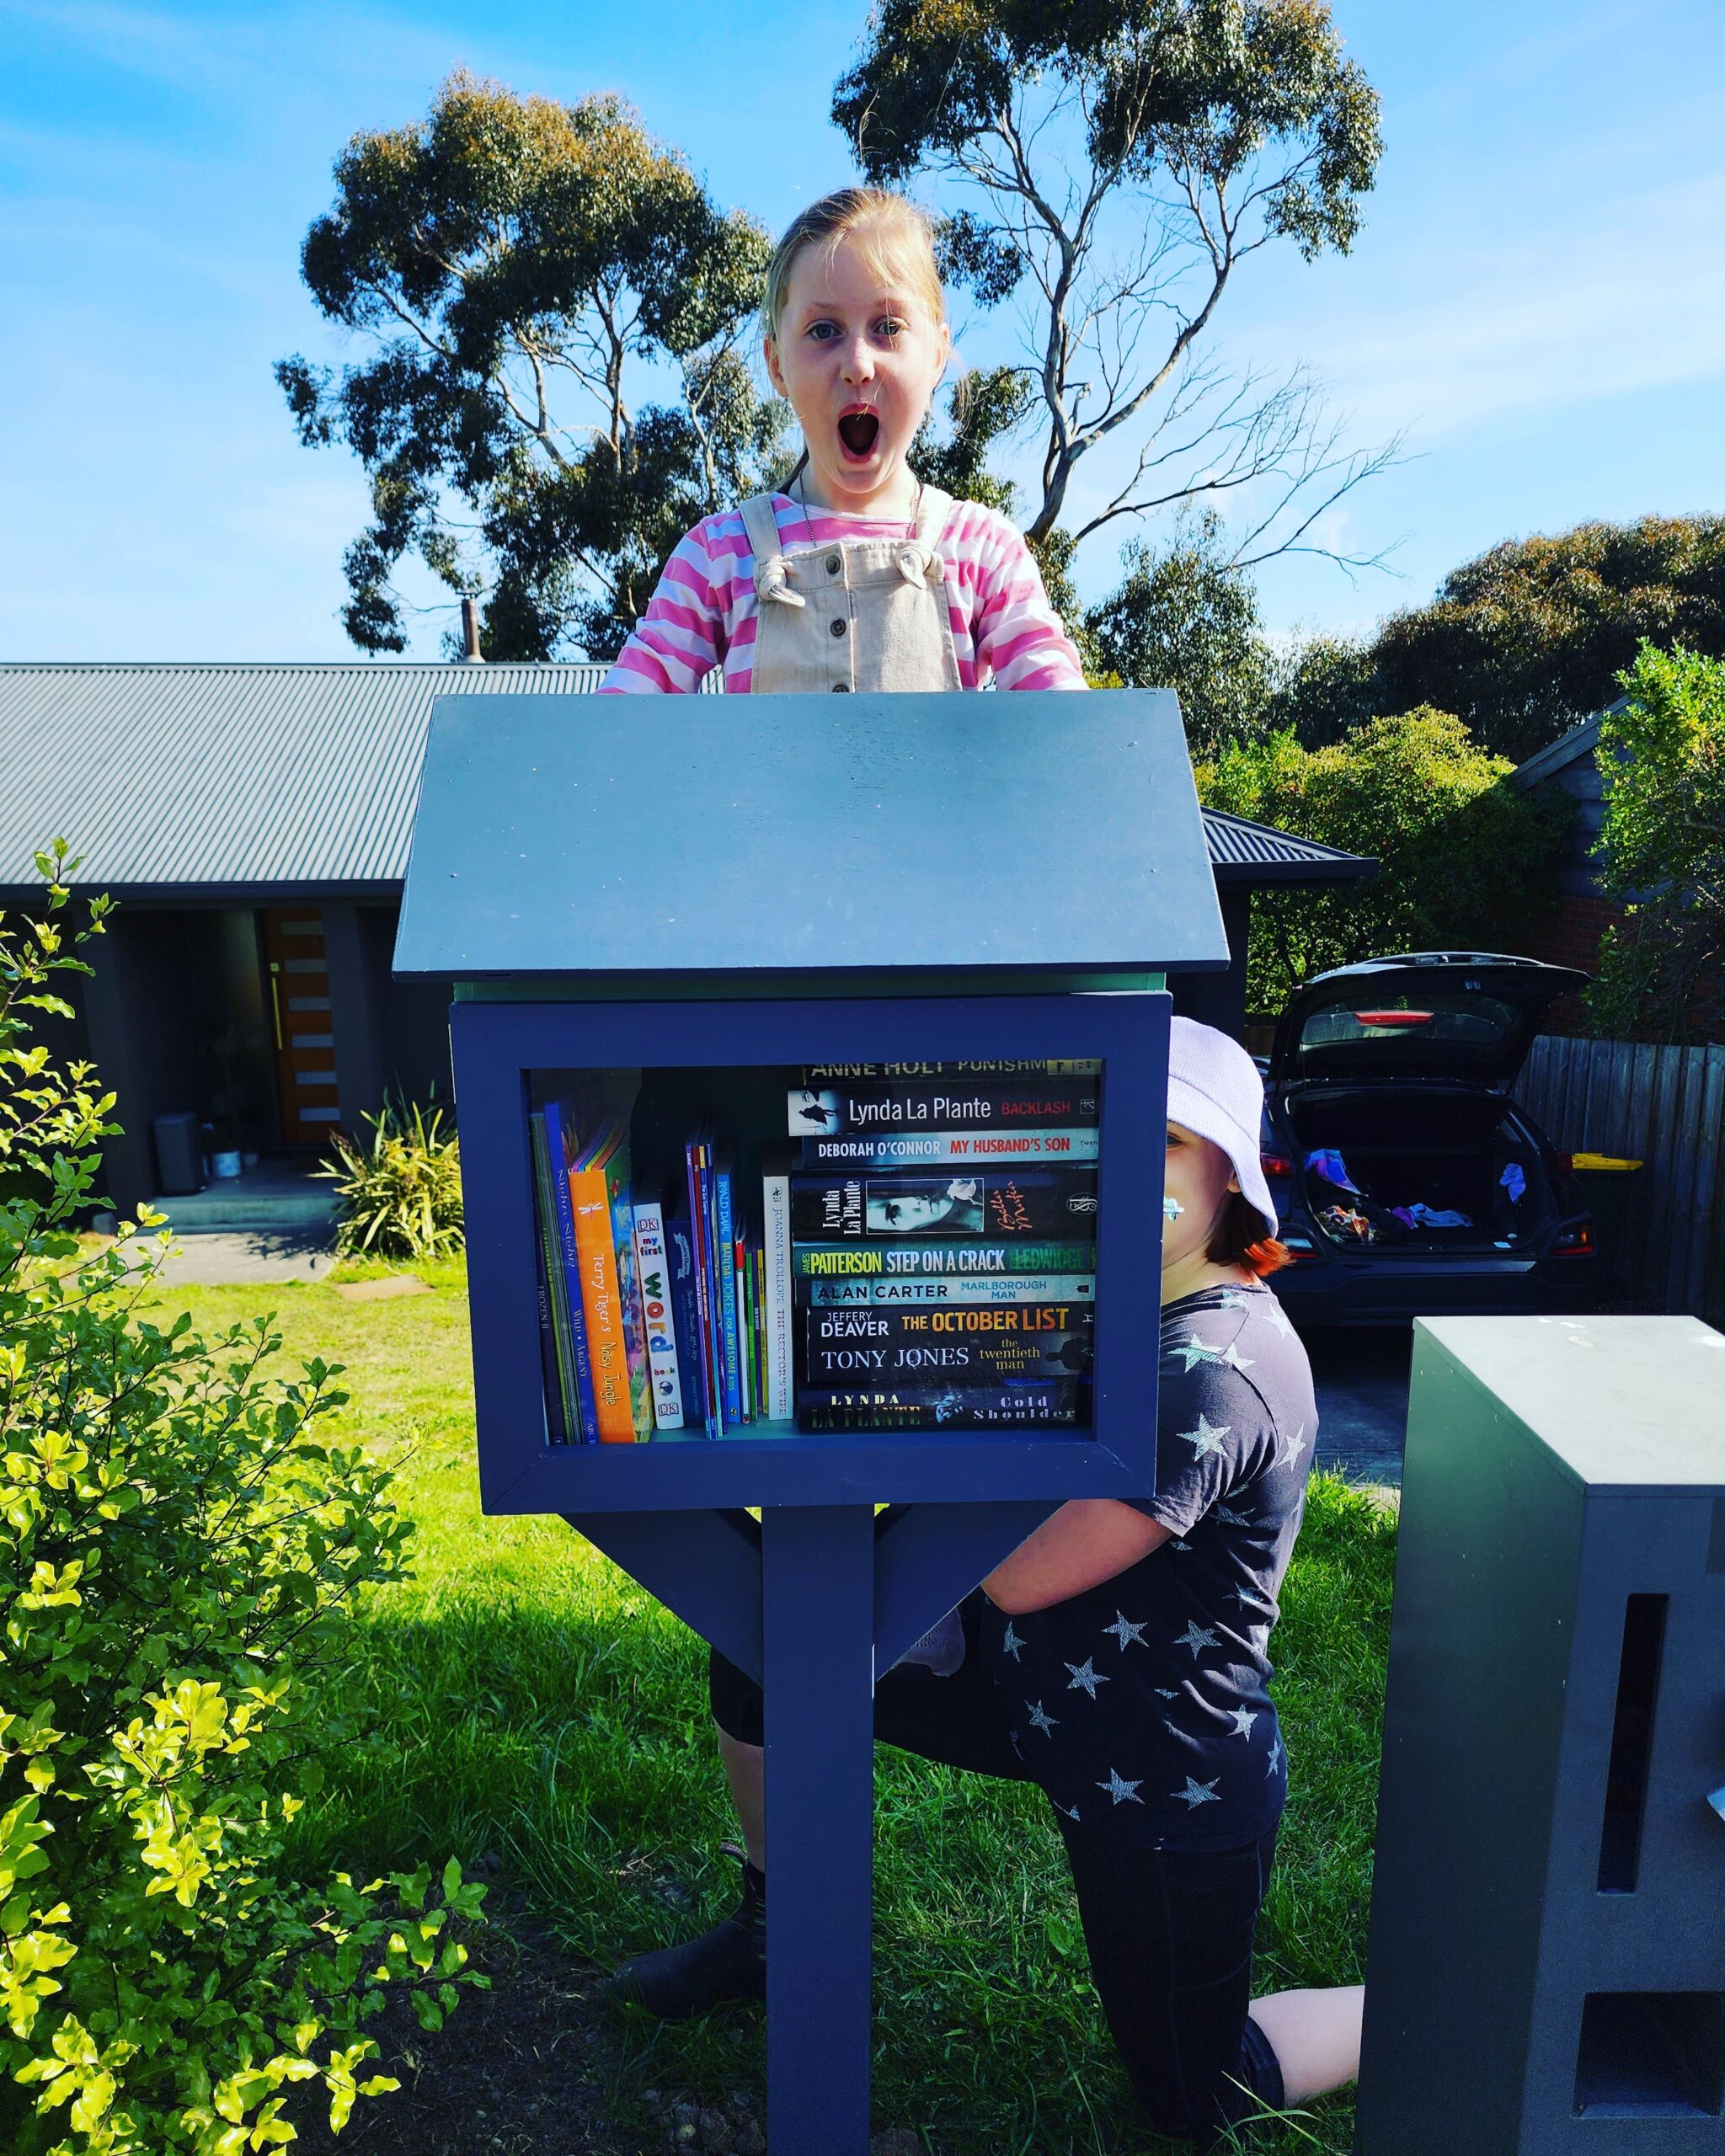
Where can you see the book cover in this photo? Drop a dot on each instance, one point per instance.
(1061, 1406)
(556, 1364)
(622, 1088)
(1037, 1202)
(889, 1259)
(550, 1370)
(680, 1255)
(776, 1293)
(909, 1294)
(833, 1074)
(994, 1346)
(724, 1238)
(909, 1148)
(653, 1270)
(559, 1146)
(936, 1104)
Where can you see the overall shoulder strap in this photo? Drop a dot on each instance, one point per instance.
(760, 528)
(932, 511)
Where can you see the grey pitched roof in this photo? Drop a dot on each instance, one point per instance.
(242, 781)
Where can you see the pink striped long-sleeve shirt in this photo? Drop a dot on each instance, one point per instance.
(703, 612)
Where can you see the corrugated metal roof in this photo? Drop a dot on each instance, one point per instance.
(169, 777)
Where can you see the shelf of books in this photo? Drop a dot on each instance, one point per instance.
(806, 1250)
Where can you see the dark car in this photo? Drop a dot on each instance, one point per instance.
(1406, 1180)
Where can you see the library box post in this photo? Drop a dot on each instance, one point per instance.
(696, 914)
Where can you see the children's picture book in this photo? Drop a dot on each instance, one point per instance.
(653, 1269)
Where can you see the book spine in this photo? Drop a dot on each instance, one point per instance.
(965, 1346)
(909, 1148)
(910, 1259)
(596, 1247)
(724, 1243)
(653, 1271)
(1061, 1405)
(1038, 1201)
(701, 1220)
(1004, 1287)
(745, 1331)
(776, 1298)
(892, 1074)
(981, 1104)
(556, 1362)
(585, 1399)
(631, 1315)
(680, 1253)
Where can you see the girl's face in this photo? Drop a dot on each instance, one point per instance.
(858, 355)
(1197, 1176)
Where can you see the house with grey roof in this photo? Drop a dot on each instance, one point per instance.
(253, 823)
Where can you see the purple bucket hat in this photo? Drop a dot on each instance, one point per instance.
(1214, 1088)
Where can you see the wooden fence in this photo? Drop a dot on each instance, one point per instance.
(1664, 1107)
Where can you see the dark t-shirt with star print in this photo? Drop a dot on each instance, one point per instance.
(1142, 1707)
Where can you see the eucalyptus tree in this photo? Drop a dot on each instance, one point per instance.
(1114, 165)
(525, 272)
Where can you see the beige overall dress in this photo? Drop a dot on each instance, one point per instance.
(851, 614)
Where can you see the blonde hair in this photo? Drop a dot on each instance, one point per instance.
(896, 234)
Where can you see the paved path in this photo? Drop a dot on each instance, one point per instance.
(244, 1256)
(1361, 1376)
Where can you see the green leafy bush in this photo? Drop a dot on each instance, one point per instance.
(180, 1549)
(401, 1190)
(1467, 862)
(1661, 848)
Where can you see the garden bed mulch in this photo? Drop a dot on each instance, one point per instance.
(518, 2070)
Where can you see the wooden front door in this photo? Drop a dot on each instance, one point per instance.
(304, 1027)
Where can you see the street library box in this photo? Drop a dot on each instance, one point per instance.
(810, 1064)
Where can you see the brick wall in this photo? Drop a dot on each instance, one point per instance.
(1570, 937)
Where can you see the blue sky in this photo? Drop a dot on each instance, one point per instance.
(1537, 301)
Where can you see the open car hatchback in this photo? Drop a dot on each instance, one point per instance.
(1406, 1179)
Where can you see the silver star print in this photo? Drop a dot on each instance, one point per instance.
(1291, 1448)
(1275, 1759)
(1194, 1636)
(1124, 1632)
(1233, 1520)
(1073, 1813)
(1046, 1723)
(1234, 1298)
(1123, 1792)
(1085, 1678)
(1197, 1793)
(1244, 1718)
(1276, 1315)
(1206, 1437)
(1012, 1643)
(1235, 1360)
(1250, 1601)
(1196, 1351)
(1161, 1694)
(1179, 1545)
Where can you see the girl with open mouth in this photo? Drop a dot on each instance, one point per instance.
(854, 575)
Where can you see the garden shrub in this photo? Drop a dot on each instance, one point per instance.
(1466, 860)
(180, 1549)
(1661, 972)
(400, 1191)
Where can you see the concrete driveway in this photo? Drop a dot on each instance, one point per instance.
(1361, 1376)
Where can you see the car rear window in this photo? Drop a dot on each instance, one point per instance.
(1477, 1020)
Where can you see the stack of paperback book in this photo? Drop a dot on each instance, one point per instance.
(942, 1226)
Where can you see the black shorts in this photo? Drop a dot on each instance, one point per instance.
(1169, 1931)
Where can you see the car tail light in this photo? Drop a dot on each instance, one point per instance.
(1400, 1020)
(1298, 1249)
(1575, 1242)
(1275, 1164)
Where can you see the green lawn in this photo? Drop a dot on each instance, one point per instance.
(538, 1707)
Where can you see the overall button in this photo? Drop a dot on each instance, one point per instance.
(832, 564)
(838, 627)
(841, 688)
